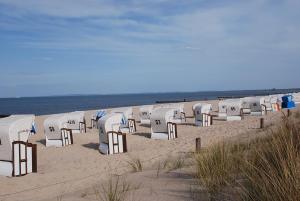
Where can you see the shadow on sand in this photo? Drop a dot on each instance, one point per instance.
(146, 135)
(42, 141)
(92, 145)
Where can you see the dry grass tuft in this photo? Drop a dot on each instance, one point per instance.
(136, 165)
(115, 190)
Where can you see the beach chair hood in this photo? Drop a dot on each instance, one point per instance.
(14, 128)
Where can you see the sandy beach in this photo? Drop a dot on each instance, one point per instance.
(71, 173)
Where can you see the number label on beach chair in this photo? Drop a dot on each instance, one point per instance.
(51, 129)
(71, 122)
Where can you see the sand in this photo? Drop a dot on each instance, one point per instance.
(72, 172)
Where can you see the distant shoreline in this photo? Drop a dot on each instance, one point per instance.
(288, 90)
(60, 104)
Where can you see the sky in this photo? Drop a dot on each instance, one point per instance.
(56, 47)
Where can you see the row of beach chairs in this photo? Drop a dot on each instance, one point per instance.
(18, 157)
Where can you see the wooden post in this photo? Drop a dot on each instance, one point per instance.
(211, 120)
(262, 123)
(288, 112)
(34, 158)
(198, 144)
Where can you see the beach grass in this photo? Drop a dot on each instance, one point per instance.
(116, 189)
(266, 168)
(136, 164)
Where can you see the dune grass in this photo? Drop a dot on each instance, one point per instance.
(116, 189)
(136, 165)
(265, 169)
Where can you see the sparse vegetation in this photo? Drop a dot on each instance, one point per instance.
(136, 165)
(115, 190)
(174, 163)
(265, 169)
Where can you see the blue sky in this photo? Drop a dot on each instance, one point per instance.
(54, 47)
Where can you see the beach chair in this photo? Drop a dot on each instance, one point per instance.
(128, 122)
(254, 106)
(179, 114)
(76, 122)
(275, 103)
(230, 109)
(96, 116)
(268, 104)
(145, 113)
(296, 98)
(57, 132)
(18, 157)
(202, 113)
(111, 139)
(163, 124)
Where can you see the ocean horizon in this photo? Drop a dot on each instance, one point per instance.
(45, 105)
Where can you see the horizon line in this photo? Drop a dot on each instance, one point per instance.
(147, 93)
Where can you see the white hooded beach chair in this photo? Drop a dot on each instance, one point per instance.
(230, 109)
(202, 112)
(268, 103)
(162, 124)
(254, 106)
(128, 122)
(296, 98)
(111, 139)
(76, 122)
(96, 116)
(145, 113)
(275, 103)
(57, 132)
(17, 156)
(179, 114)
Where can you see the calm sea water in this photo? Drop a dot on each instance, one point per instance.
(59, 104)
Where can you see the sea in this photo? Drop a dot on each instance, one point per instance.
(61, 104)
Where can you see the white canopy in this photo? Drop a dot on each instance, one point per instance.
(126, 111)
(202, 108)
(195, 105)
(14, 128)
(178, 109)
